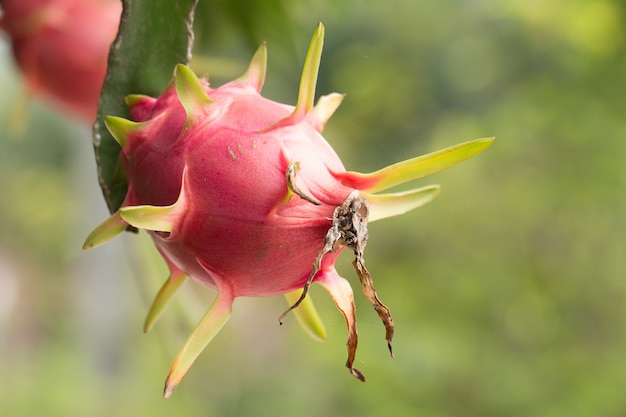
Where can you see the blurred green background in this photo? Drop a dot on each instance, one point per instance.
(507, 291)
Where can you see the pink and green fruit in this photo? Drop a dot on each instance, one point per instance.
(244, 195)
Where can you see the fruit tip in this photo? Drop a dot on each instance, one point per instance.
(319, 28)
(488, 140)
(168, 389)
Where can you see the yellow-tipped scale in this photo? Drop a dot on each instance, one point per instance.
(165, 294)
(202, 334)
(121, 128)
(191, 93)
(308, 80)
(307, 316)
(324, 109)
(132, 100)
(413, 168)
(157, 218)
(107, 230)
(394, 204)
(255, 74)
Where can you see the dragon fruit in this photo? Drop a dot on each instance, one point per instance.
(244, 195)
(61, 47)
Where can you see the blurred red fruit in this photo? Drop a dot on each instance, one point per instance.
(61, 47)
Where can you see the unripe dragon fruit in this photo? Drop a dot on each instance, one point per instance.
(244, 195)
(61, 47)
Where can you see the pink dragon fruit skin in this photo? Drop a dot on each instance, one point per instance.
(242, 194)
(61, 47)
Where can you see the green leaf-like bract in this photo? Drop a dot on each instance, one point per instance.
(154, 36)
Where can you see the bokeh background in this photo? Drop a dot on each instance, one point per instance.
(508, 291)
